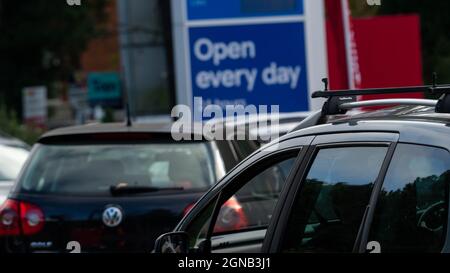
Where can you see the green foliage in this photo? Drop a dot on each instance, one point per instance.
(360, 8)
(109, 115)
(435, 23)
(10, 124)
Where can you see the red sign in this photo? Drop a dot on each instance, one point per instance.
(382, 51)
(390, 53)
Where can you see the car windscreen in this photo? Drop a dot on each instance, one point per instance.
(11, 162)
(96, 169)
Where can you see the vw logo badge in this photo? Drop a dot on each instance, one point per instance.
(112, 216)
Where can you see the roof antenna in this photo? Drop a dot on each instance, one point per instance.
(129, 123)
(127, 102)
(433, 87)
(325, 83)
(434, 78)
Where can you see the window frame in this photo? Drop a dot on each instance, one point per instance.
(256, 170)
(251, 166)
(278, 227)
(241, 179)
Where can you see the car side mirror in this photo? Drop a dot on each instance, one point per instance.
(172, 242)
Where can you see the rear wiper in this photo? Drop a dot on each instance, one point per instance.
(122, 189)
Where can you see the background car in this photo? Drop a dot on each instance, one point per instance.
(13, 154)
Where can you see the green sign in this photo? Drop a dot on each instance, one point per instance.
(104, 88)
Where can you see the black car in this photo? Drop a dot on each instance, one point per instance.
(108, 188)
(113, 187)
(371, 182)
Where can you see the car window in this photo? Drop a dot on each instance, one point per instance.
(11, 162)
(250, 206)
(328, 210)
(93, 169)
(411, 213)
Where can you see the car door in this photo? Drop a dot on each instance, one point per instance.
(234, 216)
(331, 196)
(411, 213)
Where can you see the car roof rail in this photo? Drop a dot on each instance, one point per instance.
(385, 102)
(340, 101)
(337, 98)
(312, 120)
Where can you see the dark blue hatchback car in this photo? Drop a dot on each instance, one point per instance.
(109, 187)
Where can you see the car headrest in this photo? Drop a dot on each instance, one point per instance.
(182, 166)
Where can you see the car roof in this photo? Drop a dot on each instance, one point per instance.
(154, 127)
(73, 133)
(416, 124)
(412, 113)
(101, 128)
(8, 140)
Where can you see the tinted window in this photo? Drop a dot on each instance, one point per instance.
(252, 206)
(411, 213)
(328, 210)
(93, 169)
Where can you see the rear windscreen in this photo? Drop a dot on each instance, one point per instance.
(94, 169)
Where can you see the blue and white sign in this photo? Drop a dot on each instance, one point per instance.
(240, 65)
(259, 52)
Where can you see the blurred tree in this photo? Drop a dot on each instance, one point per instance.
(361, 8)
(109, 115)
(11, 125)
(42, 42)
(435, 23)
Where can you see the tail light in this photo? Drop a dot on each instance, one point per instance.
(9, 218)
(32, 218)
(231, 217)
(18, 218)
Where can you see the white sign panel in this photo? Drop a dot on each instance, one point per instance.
(34, 101)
